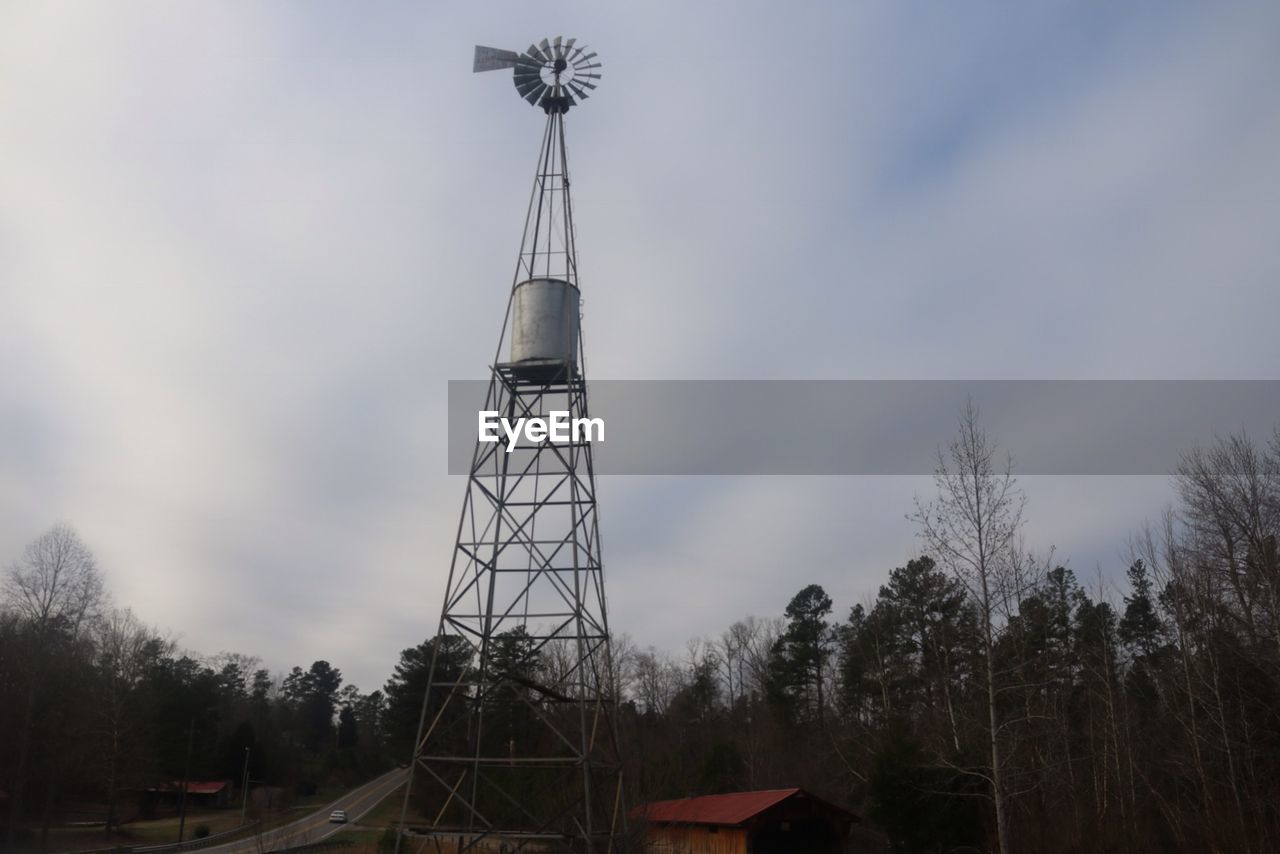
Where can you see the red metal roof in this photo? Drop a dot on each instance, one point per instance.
(734, 808)
(206, 788)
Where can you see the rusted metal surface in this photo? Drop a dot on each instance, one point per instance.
(730, 809)
(790, 820)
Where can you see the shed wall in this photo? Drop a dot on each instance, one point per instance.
(682, 839)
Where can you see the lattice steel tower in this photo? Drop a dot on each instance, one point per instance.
(517, 745)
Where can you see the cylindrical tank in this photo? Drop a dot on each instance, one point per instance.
(544, 324)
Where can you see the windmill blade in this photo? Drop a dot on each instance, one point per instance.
(546, 49)
(577, 89)
(537, 93)
(493, 59)
(556, 48)
(524, 87)
(527, 65)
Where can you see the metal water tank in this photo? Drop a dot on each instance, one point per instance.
(545, 321)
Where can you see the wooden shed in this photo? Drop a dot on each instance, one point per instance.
(211, 793)
(774, 821)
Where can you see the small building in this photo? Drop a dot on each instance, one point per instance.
(774, 821)
(210, 794)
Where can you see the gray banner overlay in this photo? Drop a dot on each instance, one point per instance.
(895, 427)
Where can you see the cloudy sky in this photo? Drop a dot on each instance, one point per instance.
(244, 247)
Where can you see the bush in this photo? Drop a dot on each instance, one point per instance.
(201, 831)
(920, 804)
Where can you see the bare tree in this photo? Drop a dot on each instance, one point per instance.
(56, 590)
(971, 528)
(730, 650)
(1230, 514)
(656, 680)
(622, 652)
(56, 583)
(1215, 562)
(123, 642)
(754, 638)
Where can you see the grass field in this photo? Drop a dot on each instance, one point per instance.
(152, 832)
(361, 837)
(387, 812)
(166, 829)
(356, 838)
(364, 837)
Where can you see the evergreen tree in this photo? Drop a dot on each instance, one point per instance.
(407, 688)
(799, 657)
(1140, 627)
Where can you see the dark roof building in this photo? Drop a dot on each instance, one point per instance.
(209, 793)
(773, 821)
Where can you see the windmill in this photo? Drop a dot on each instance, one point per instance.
(517, 747)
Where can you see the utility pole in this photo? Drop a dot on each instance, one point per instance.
(186, 781)
(244, 787)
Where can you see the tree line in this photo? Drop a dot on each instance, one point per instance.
(985, 696)
(991, 698)
(97, 708)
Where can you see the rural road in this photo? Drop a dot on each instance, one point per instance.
(316, 826)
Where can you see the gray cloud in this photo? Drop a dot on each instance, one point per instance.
(243, 248)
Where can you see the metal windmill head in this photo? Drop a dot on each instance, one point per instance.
(553, 74)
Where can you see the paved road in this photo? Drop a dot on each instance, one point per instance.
(316, 826)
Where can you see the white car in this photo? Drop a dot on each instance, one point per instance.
(338, 817)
